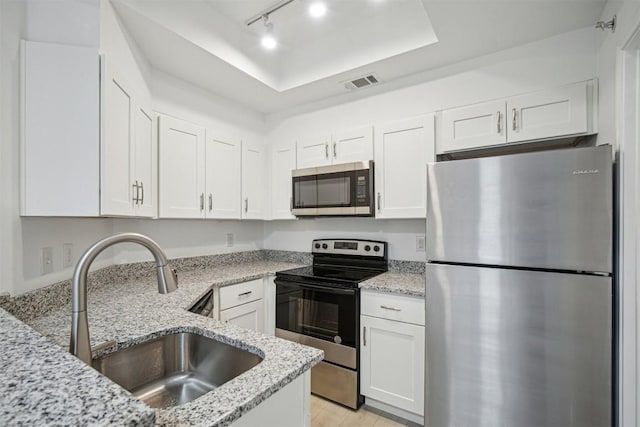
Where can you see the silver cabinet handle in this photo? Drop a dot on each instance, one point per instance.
(379, 199)
(201, 201)
(210, 202)
(141, 193)
(499, 121)
(291, 204)
(364, 336)
(246, 204)
(513, 118)
(136, 199)
(326, 150)
(245, 293)
(335, 150)
(386, 307)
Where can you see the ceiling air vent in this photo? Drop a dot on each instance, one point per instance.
(361, 82)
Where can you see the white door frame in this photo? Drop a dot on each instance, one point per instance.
(628, 124)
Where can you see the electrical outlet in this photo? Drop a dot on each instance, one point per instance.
(229, 240)
(67, 255)
(420, 245)
(46, 260)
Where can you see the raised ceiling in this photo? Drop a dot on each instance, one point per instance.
(207, 42)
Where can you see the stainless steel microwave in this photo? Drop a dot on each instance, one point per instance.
(335, 190)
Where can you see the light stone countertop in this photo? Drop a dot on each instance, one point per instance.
(409, 284)
(134, 312)
(41, 383)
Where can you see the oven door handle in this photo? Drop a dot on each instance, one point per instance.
(326, 289)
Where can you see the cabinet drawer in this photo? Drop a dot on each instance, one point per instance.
(393, 307)
(241, 293)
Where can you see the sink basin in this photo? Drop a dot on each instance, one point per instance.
(175, 369)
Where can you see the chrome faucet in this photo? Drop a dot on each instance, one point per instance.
(80, 345)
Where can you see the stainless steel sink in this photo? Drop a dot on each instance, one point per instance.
(175, 369)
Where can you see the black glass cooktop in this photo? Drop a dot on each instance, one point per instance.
(330, 274)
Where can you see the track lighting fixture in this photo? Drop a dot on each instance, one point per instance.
(268, 39)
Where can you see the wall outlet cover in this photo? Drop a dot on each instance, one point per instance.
(229, 240)
(420, 243)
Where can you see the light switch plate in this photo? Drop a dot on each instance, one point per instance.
(67, 255)
(46, 260)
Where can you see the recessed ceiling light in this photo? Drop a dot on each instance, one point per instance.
(318, 9)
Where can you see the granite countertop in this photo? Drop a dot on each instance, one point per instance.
(131, 312)
(410, 284)
(41, 384)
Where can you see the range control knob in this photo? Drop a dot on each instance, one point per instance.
(376, 248)
(324, 246)
(367, 248)
(317, 245)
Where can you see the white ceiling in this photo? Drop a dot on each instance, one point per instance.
(207, 42)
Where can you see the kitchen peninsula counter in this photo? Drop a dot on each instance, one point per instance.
(41, 380)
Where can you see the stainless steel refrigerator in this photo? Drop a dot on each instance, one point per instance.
(519, 292)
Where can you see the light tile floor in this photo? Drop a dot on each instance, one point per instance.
(328, 414)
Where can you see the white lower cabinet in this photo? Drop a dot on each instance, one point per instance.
(288, 407)
(242, 304)
(248, 316)
(392, 352)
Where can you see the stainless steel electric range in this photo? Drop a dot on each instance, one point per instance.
(319, 306)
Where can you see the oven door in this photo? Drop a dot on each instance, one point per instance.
(322, 317)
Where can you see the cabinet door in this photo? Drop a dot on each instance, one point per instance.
(283, 161)
(145, 162)
(60, 126)
(477, 125)
(117, 182)
(402, 150)
(181, 170)
(253, 180)
(354, 145)
(223, 166)
(550, 113)
(248, 316)
(313, 151)
(392, 361)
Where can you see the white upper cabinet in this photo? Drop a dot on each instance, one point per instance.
(182, 169)
(93, 154)
(549, 114)
(402, 150)
(314, 151)
(117, 148)
(283, 161)
(145, 161)
(128, 150)
(254, 182)
(556, 112)
(474, 125)
(353, 145)
(223, 176)
(53, 182)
